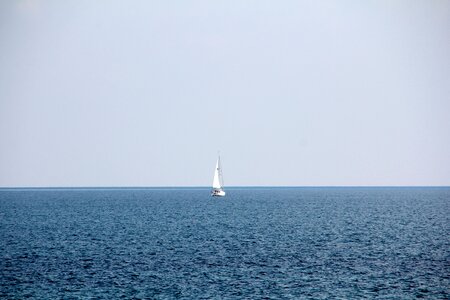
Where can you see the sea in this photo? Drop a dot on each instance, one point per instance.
(255, 243)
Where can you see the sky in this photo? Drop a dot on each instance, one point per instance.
(292, 93)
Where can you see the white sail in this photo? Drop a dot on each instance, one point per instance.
(216, 181)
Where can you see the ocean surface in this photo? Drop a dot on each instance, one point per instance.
(256, 243)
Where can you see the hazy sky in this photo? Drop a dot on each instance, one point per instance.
(144, 93)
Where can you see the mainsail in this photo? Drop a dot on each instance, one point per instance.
(216, 181)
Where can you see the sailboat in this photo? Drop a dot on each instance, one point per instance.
(217, 188)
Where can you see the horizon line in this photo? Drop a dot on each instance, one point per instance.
(231, 187)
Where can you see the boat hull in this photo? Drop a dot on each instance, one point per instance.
(218, 193)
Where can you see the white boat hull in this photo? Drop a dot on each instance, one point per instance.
(218, 193)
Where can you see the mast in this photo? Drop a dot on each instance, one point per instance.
(216, 180)
(220, 173)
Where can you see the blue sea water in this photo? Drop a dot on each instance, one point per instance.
(256, 243)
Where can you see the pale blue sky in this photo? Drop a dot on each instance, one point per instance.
(144, 93)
